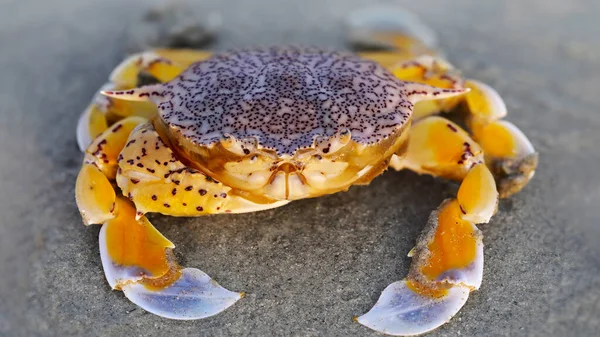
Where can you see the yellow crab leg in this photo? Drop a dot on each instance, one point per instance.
(448, 257)
(434, 71)
(136, 258)
(93, 191)
(163, 64)
(389, 35)
(509, 154)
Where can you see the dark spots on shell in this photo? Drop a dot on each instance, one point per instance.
(462, 209)
(150, 170)
(216, 196)
(144, 152)
(223, 195)
(117, 127)
(157, 162)
(189, 188)
(174, 191)
(202, 192)
(218, 208)
(130, 142)
(154, 197)
(140, 165)
(130, 161)
(451, 127)
(199, 209)
(167, 205)
(176, 182)
(134, 181)
(184, 204)
(209, 178)
(286, 97)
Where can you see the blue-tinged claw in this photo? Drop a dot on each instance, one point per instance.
(403, 311)
(193, 295)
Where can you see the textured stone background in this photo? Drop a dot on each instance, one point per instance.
(310, 266)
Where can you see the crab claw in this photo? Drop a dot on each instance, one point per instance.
(447, 266)
(138, 260)
(402, 311)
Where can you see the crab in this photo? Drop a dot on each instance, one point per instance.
(253, 129)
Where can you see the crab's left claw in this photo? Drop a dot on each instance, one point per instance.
(138, 260)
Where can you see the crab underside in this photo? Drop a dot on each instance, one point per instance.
(254, 129)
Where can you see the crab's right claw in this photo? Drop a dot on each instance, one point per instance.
(401, 311)
(138, 260)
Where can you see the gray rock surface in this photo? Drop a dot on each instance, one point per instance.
(310, 266)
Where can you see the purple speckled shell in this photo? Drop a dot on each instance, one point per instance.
(285, 97)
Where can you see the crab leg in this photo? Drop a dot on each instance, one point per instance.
(403, 45)
(448, 257)
(162, 64)
(509, 154)
(136, 258)
(389, 35)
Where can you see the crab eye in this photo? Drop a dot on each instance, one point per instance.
(329, 145)
(240, 147)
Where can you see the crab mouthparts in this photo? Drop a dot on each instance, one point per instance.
(287, 183)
